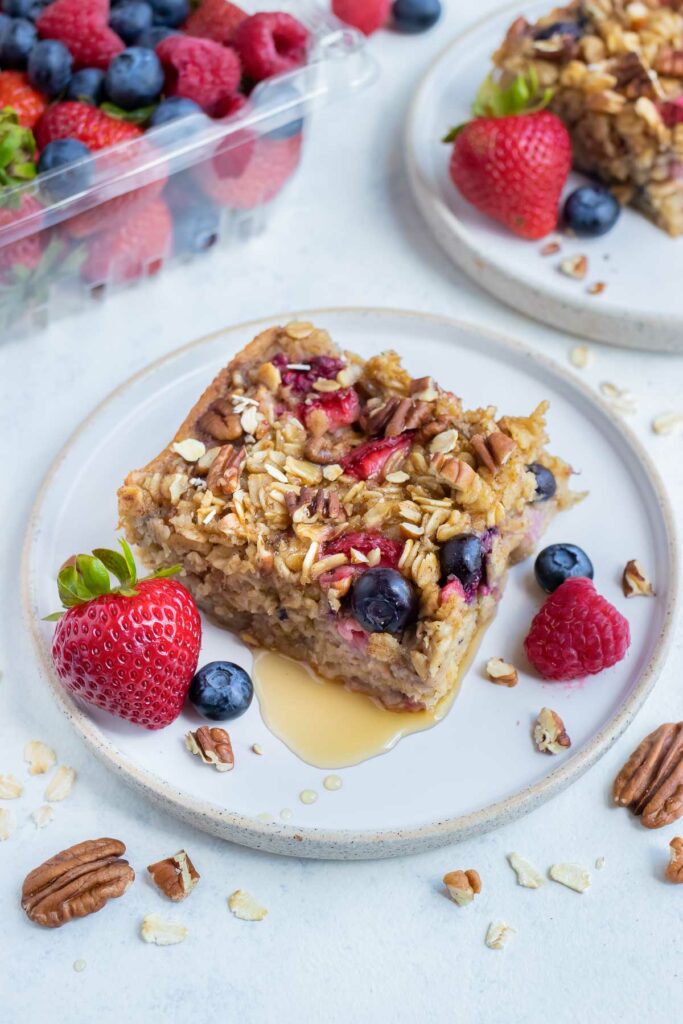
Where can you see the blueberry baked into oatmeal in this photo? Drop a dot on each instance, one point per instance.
(343, 513)
(616, 71)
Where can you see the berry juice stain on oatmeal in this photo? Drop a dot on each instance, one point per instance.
(326, 725)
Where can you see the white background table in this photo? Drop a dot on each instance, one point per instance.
(343, 942)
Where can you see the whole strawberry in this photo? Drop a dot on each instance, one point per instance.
(90, 125)
(512, 160)
(17, 92)
(577, 633)
(131, 650)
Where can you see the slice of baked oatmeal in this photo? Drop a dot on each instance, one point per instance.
(303, 471)
(616, 71)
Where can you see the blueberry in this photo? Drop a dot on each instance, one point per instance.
(5, 22)
(415, 15)
(49, 67)
(195, 229)
(151, 37)
(560, 562)
(60, 153)
(560, 28)
(383, 601)
(87, 85)
(130, 19)
(462, 556)
(546, 485)
(591, 211)
(170, 12)
(16, 42)
(134, 78)
(30, 9)
(172, 109)
(276, 96)
(221, 690)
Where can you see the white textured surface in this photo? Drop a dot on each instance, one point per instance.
(342, 942)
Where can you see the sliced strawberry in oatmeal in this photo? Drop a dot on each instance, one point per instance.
(340, 408)
(365, 542)
(370, 460)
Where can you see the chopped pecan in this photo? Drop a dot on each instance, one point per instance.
(224, 475)
(323, 503)
(431, 428)
(493, 451)
(634, 582)
(377, 414)
(76, 882)
(323, 451)
(651, 781)
(176, 876)
(674, 869)
(550, 735)
(220, 421)
(634, 78)
(462, 886)
(558, 49)
(459, 475)
(213, 746)
(669, 62)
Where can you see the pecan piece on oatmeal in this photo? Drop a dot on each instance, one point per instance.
(224, 474)
(220, 421)
(175, 876)
(462, 886)
(651, 781)
(213, 746)
(76, 882)
(550, 735)
(494, 450)
(674, 869)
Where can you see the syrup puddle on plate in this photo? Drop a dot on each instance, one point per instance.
(326, 725)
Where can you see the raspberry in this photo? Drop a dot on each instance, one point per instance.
(215, 19)
(369, 460)
(82, 26)
(270, 44)
(366, 541)
(672, 112)
(577, 633)
(302, 381)
(366, 15)
(199, 70)
(340, 408)
(251, 174)
(135, 247)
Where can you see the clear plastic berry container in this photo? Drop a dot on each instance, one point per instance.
(175, 192)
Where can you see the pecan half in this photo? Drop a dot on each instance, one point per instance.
(220, 421)
(76, 882)
(493, 451)
(375, 417)
(459, 475)
(634, 78)
(213, 746)
(651, 781)
(176, 876)
(224, 475)
(674, 869)
(323, 503)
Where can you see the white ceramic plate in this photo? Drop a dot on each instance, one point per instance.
(639, 309)
(478, 768)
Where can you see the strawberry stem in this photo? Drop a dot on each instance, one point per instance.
(84, 577)
(522, 96)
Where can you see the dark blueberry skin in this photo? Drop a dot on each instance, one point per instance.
(134, 78)
(173, 109)
(87, 85)
(221, 690)
(16, 42)
(49, 67)
(5, 22)
(285, 94)
(546, 485)
(195, 229)
(462, 557)
(130, 19)
(383, 601)
(415, 15)
(560, 562)
(151, 37)
(560, 28)
(591, 211)
(58, 154)
(30, 9)
(170, 12)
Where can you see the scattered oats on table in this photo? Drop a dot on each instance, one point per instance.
(527, 875)
(499, 934)
(243, 906)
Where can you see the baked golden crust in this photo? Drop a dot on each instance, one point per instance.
(340, 465)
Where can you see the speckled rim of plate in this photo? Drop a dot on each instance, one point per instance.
(577, 315)
(347, 844)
